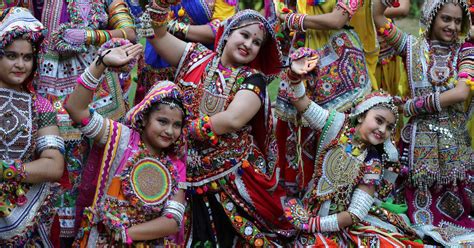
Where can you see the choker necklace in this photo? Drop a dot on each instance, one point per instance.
(351, 142)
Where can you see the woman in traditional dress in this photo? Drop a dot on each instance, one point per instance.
(138, 199)
(436, 146)
(31, 150)
(344, 34)
(355, 164)
(235, 197)
(76, 29)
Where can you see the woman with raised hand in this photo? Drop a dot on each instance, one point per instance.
(138, 198)
(436, 147)
(235, 198)
(354, 168)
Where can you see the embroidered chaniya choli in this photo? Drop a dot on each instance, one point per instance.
(436, 145)
(347, 68)
(58, 71)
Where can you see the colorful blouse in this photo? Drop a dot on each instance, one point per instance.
(133, 188)
(23, 114)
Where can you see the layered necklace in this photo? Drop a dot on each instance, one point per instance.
(440, 63)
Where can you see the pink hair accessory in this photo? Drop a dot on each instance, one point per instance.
(463, 75)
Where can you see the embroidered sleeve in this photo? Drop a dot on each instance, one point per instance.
(466, 58)
(46, 113)
(255, 83)
(350, 6)
(192, 54)
(372, 172)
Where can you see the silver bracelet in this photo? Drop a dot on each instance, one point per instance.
(437, 101)
(316, 116)
(92, 129)
(89, 80)
(360, 203)
(298, 90)
(329, 223)
(176, 210)
(50, 142)
(105, 135)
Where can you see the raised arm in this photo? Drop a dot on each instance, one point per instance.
(77, 104)
(165, 44)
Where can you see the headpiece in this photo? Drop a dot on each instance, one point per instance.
(374, 99)
(269, 58)
(164, 92)
(19, 22)
(431, 8)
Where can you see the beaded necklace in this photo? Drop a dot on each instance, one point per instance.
(149, 180)
(440, 63)
(212, 103)
(347, 140)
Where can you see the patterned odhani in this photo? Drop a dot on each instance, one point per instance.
(436, 146)
(346, 72)
(133, 186)
(235, 197)
(58, 73)
(22, 114)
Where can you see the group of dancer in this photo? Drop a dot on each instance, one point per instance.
(191, 156)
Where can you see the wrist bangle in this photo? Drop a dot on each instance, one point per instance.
(298, 91)
(124, 33)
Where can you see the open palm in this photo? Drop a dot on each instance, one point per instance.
(120, 56)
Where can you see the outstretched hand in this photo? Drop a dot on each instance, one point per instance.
(120, 56)
(304, 65)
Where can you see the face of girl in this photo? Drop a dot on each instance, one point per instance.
(377, 125)
(16, 65)
(162, 128)
(447, 23)
(243, 45)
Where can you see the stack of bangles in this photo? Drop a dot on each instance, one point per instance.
(178, 29)
(88, 81)
(92, 126)
(361, 202)
(322, 224)
(46, 142)
(428, 104)
(468, 78)
(159, 15)
(201, 129)
(174, 210)
(315, 115)
(295, 21)
(97, 37)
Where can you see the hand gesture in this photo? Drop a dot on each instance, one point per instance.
(304, 65)
(120, 56)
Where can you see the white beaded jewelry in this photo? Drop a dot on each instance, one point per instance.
(360, 203)
(329, 223)
(49, 142)
(316, 116)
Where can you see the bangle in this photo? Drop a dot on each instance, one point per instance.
(201, 129)
(329, 223)
(316, 115)
(92, 127)
(123, 33)
(360, 204)
(50, 142)
(297, 91)
(128, 239)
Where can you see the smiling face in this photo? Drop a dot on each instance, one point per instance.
(16, 65)
(162, 127)
(243, 45)
(376, 126)
(447, 24)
